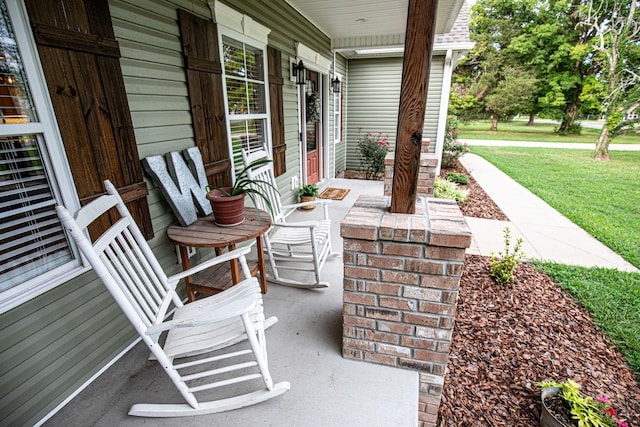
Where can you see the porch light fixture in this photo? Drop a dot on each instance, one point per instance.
(298, 71)
(335, 84)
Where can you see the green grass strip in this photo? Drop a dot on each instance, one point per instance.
(601, 197)
(613, 299)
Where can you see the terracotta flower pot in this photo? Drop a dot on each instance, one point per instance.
(227, 210)
(304, 199)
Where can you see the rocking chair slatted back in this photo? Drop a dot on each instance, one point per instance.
(290, 245)
(126, 265)
(264, 173)
(121, 258)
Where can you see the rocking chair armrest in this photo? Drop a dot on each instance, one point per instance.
(228, 256)
(206, 316)
(300, 224)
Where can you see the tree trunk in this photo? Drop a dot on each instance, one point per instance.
(494, 122)
(569, 117)
(602, 146)
(531, 119)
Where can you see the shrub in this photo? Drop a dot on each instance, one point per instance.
(373, 149)
(459, 178)
(503, 265)
(452, 149)
(574, 129)
(449, 190)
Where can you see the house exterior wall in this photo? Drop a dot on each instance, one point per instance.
(53, 344)
(374, 98)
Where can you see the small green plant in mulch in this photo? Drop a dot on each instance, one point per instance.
(449, 190)
(504, 264)
(459, 178)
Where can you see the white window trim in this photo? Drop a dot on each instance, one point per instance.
(338, 138)
(312, 59)
(238, 22)
(55, 159)
(223, 30)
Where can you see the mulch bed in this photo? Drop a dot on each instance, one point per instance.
(479, 205)
(508, 338)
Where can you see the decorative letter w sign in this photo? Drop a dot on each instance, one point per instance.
(181, 185)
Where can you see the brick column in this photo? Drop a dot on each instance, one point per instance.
(426, 171)
(401, 279)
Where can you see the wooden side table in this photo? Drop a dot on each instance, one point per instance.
(204, 233)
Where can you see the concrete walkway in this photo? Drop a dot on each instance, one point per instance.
(547, 234)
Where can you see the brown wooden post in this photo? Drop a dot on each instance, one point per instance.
(418, 46)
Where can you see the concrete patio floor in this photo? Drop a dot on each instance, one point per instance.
(305, 348)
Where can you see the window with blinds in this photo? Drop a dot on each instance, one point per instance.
(33, 245)
(245, 86)
(32, 241)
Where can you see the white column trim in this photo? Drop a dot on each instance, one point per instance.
(444, 106)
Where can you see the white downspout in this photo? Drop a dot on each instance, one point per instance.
(444, 106)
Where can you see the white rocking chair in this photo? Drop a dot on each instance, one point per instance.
(301, 246)
(199, 333)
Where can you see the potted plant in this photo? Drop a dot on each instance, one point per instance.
(563, 405)
(308, 193)
(228, 202)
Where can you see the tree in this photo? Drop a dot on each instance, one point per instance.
(544, 40)
(512, 94)
(616, 45)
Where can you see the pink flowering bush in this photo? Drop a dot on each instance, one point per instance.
(373, 148)
(452, 149)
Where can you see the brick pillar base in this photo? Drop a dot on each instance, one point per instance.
(401, 279)
(426, 172)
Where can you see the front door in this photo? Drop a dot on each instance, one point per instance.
(313, 114)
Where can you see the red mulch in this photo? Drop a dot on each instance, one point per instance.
(508, 338)
(479, 205)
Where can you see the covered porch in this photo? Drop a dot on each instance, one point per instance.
(305, 348)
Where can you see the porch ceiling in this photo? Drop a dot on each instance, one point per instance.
(369, 23)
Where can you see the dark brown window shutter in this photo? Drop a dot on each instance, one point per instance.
(80, 59)
(204, 78)
(277, 111)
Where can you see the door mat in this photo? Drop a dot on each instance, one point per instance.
(334, 193)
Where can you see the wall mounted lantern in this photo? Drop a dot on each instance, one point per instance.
(298, 71)
(335, 84)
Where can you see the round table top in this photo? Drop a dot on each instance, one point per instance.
(204, 233)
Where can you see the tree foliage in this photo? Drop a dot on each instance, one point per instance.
(559, 59)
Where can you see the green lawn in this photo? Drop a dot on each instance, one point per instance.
(603, 198)
(518, 130)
